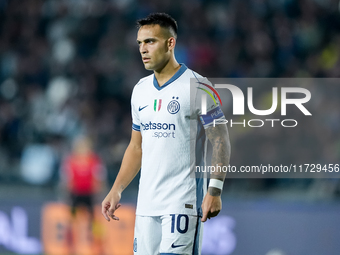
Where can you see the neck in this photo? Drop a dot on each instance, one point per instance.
(167, 71)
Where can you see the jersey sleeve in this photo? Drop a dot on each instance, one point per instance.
(214, 113)
(134, 112)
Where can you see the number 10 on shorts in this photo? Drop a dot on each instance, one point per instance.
(176, 221)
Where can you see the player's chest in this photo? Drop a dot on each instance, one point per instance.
(168, 105)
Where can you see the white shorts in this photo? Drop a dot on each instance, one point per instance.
(172, 234)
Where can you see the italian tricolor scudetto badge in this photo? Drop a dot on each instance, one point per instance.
(157, 105)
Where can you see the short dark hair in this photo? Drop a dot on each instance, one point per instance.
(164, 20)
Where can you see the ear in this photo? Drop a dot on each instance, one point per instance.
(171, 43)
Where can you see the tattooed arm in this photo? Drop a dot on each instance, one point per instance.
(130, 167)
(219, 138)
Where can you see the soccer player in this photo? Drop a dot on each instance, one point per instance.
(171, 204)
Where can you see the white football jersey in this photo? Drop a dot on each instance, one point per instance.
(164, 117)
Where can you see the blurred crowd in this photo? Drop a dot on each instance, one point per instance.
(67, 68)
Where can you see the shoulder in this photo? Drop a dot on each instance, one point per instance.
(141, 87)
(144, 81)
(194, 74)
(142, 84)
(199, 78)
(189, 73)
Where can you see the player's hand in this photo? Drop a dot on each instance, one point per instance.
(211, 206)
(110, 204)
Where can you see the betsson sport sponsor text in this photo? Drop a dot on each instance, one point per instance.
(168, 129)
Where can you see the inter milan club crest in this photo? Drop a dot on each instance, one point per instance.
(174, 106)
(157, 105)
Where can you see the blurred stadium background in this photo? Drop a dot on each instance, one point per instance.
(67, 67)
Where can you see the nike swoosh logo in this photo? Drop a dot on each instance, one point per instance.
(175, 246)
(141, 108)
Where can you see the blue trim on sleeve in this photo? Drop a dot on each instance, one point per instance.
(172, 79)
(169, 254)
(135, 127)
(212, 115)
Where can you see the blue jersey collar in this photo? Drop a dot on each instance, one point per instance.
(172, 79)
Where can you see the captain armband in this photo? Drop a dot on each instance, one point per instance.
(211, 116)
